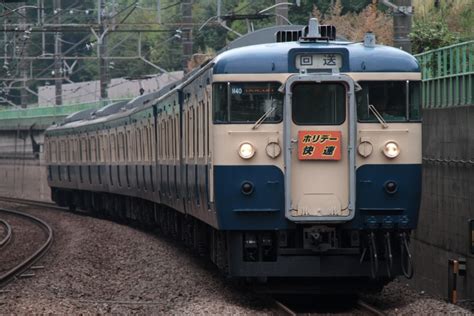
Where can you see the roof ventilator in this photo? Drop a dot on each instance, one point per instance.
(310, 33)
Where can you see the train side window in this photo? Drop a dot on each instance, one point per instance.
(53, 151)
(92, 148)
(84, 149)
(185, 134)
(203, 129)
(196, 130)
(71, 150)
(147, 143)
(88, 149)
(47, 157)
(112, 148)
(150, 141)
(177, 141)
(142, 144)
(318, 103)
(121, 143)
(133, 144)
(104, 152)
(153, 142)
(175, 138)
(119, 146)
(170, 137)
(207, 128)
(190, 131)
(66, 150)
(76, 150)
(167, 138)
(160, 139)
(126, 144)
(79, 150)
(60, 152)
(127, 148)
(414, 105)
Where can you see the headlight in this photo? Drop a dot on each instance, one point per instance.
(246, 150)
(391, 150)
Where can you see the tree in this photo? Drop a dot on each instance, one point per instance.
(442, 25)
(352, 25)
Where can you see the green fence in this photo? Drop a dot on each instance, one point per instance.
(448, 76)
(47, 111)
(42, 117)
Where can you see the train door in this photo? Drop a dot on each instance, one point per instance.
(319, 140)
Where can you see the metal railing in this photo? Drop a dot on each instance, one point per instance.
(50, 111)
(448, 76)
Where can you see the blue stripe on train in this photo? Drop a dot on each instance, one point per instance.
(378, 209)
(263, 209)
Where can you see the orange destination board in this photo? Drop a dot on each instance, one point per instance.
(319, 145)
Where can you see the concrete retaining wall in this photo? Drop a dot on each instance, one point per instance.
(22, 169)
(447, 201)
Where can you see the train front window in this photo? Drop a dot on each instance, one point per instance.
(318, 103)
(238, 102)
(396, 101)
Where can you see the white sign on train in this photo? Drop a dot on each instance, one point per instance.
(318, 61)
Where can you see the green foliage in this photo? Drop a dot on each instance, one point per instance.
(435, 27)
(431, 34)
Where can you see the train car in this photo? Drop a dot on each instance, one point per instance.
(295, 162)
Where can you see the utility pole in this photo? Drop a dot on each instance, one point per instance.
(187, 36)
(22, 49)
(281, 13)
(17, 65)
(58, 73)
(102, 51)
(402, 19)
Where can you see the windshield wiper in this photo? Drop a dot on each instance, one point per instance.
(378, 116)
(264, 116)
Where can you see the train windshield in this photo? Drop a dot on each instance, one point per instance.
(396, 101)
(246, 102)
(318, 103)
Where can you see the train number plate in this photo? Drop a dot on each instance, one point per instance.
(319, 145)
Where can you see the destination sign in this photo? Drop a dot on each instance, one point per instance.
(319, 145)
(318, 61)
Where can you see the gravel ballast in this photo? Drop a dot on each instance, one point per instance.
(98, 266)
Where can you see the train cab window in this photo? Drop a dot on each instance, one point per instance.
(396, 101)
(246, 102)
(318, 103)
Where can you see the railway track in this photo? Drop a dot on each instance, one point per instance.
(8, 233)
(32, 203)
(25, 264)
(360, 307)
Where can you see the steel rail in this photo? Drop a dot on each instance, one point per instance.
(8, 236)
(32, 203)
(25, 264)
(285, 309)
(369, 308)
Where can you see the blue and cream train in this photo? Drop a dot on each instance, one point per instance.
(294, 160)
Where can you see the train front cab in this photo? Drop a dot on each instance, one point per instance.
(334, 197)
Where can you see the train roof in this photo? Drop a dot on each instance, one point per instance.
(280, 58)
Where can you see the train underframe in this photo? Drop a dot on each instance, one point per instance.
(303, 259)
